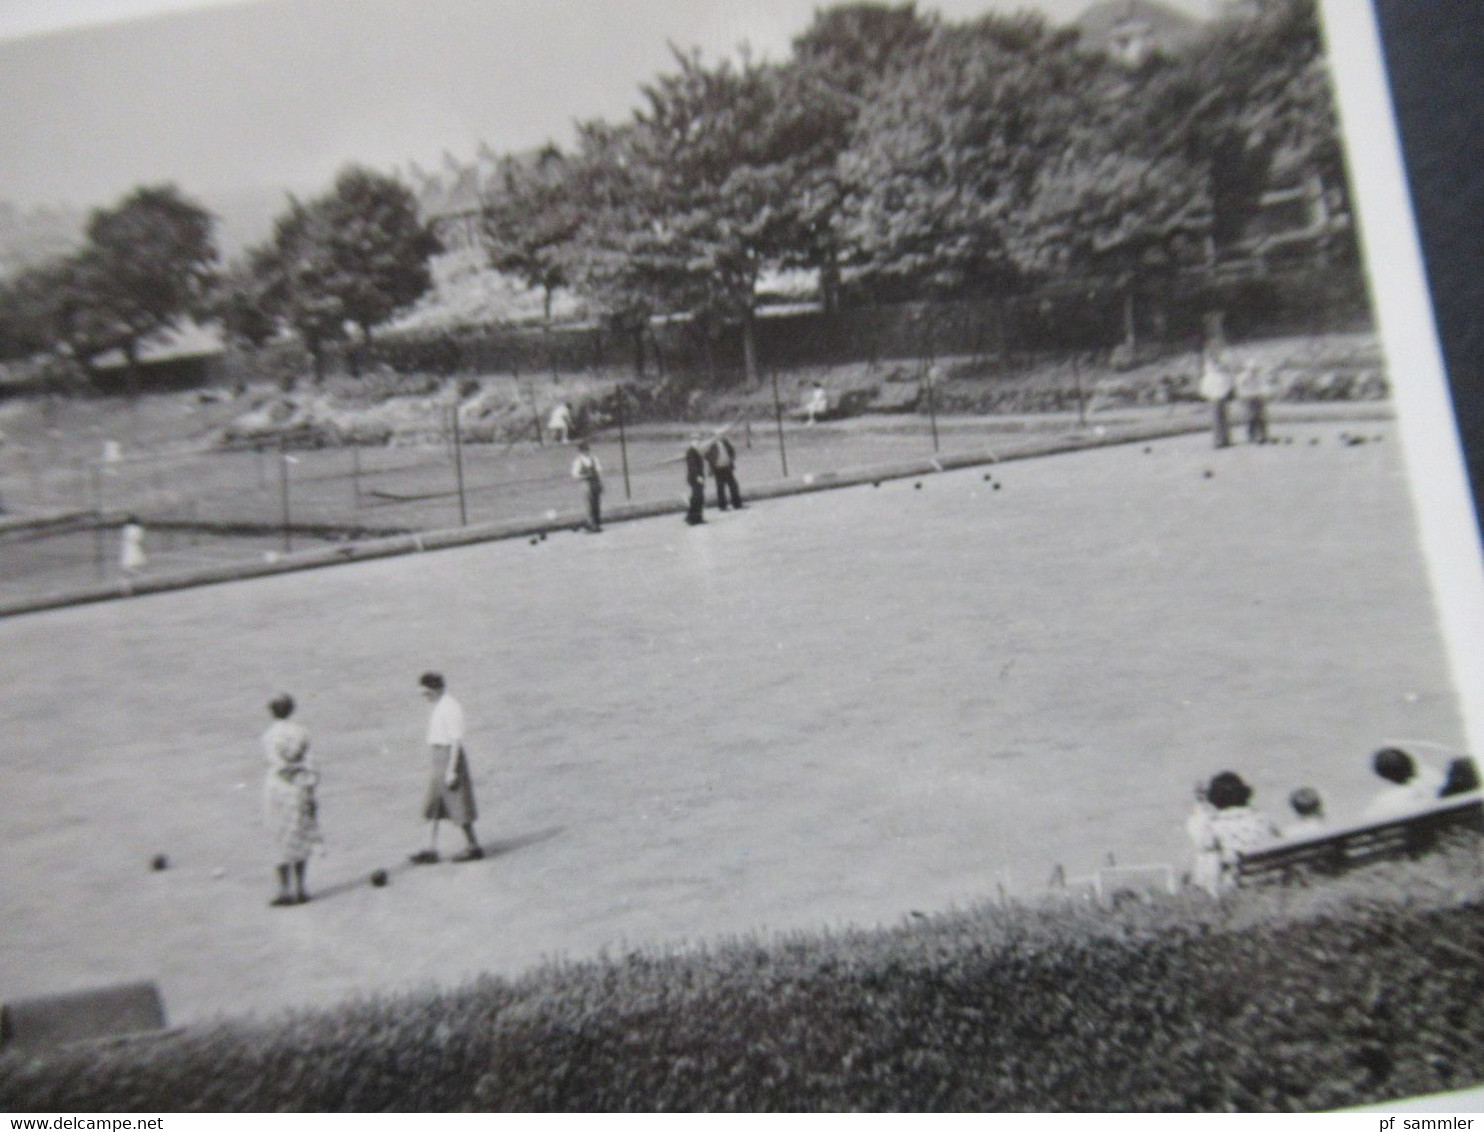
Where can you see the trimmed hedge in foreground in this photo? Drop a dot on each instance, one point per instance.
(1274, 1001)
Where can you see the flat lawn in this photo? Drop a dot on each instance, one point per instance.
(829, 709)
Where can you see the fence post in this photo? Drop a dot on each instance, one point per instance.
(355, 473)
(932, 403)
(536, 416)
(283, 492)
(96, 477)
(623, 446)
(458, 463)
(1081, 397)
(778, 414)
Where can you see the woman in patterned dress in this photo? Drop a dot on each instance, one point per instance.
(1224, 825)
(288, 800)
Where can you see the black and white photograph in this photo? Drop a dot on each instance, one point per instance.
(1071, 704)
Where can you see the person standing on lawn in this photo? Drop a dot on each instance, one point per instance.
(1252, 388)
(1218, 388)
(695, 478)
(721, 455)
(450, 792)
(587, 469)
(288, 800)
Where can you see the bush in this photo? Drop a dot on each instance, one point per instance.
(1304, 1000)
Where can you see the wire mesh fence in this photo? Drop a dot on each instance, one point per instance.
(220, 505)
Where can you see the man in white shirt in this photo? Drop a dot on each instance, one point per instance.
(587, 469)
(1218, 388)
(450, 791)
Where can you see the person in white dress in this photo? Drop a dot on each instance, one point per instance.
(132, 559)
(560, 423)
(1222, 826)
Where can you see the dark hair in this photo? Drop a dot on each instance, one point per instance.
(281, 705)
(433, 681)
(1394, 765)
(1305, 801)
(1463, 776)
(1227, 790)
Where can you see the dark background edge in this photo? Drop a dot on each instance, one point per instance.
(1434, 53)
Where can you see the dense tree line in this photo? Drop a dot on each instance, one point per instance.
(893, 153)
(897, 155)
(341, 262)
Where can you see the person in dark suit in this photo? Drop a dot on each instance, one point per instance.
(695, 477)
(721, 456)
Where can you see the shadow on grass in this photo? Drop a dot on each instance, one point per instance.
(491, 849)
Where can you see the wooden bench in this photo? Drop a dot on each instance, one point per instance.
(1340, 849)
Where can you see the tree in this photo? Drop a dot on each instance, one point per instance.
(352, 257)
(530, 219)
(949, 151)
(378, 247)
(146, 263)
(690, 202)
(31, 311)
(616, 258)
(847, 54)
(242, 304)
(297, 279)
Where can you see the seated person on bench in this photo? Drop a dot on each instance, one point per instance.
(1309, 815)
(1222, 826)
(1408, 786)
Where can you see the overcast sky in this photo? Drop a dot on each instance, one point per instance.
(280, 94)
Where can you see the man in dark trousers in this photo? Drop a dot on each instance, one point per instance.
(587, 469)
(695, 477)
(722, 458)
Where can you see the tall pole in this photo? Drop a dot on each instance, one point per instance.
(355, 472)
(932, 406)
(458, 463)
(283, 492)
(536, 417)
(778, 413)
(1081, 399)
(623, 446)
(98, 551)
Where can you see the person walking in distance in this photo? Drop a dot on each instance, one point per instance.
(587, 469)
(560, 423)
(450, 792)
(695, 478)
(722, 458)
(1252, 388)
(132, 559)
